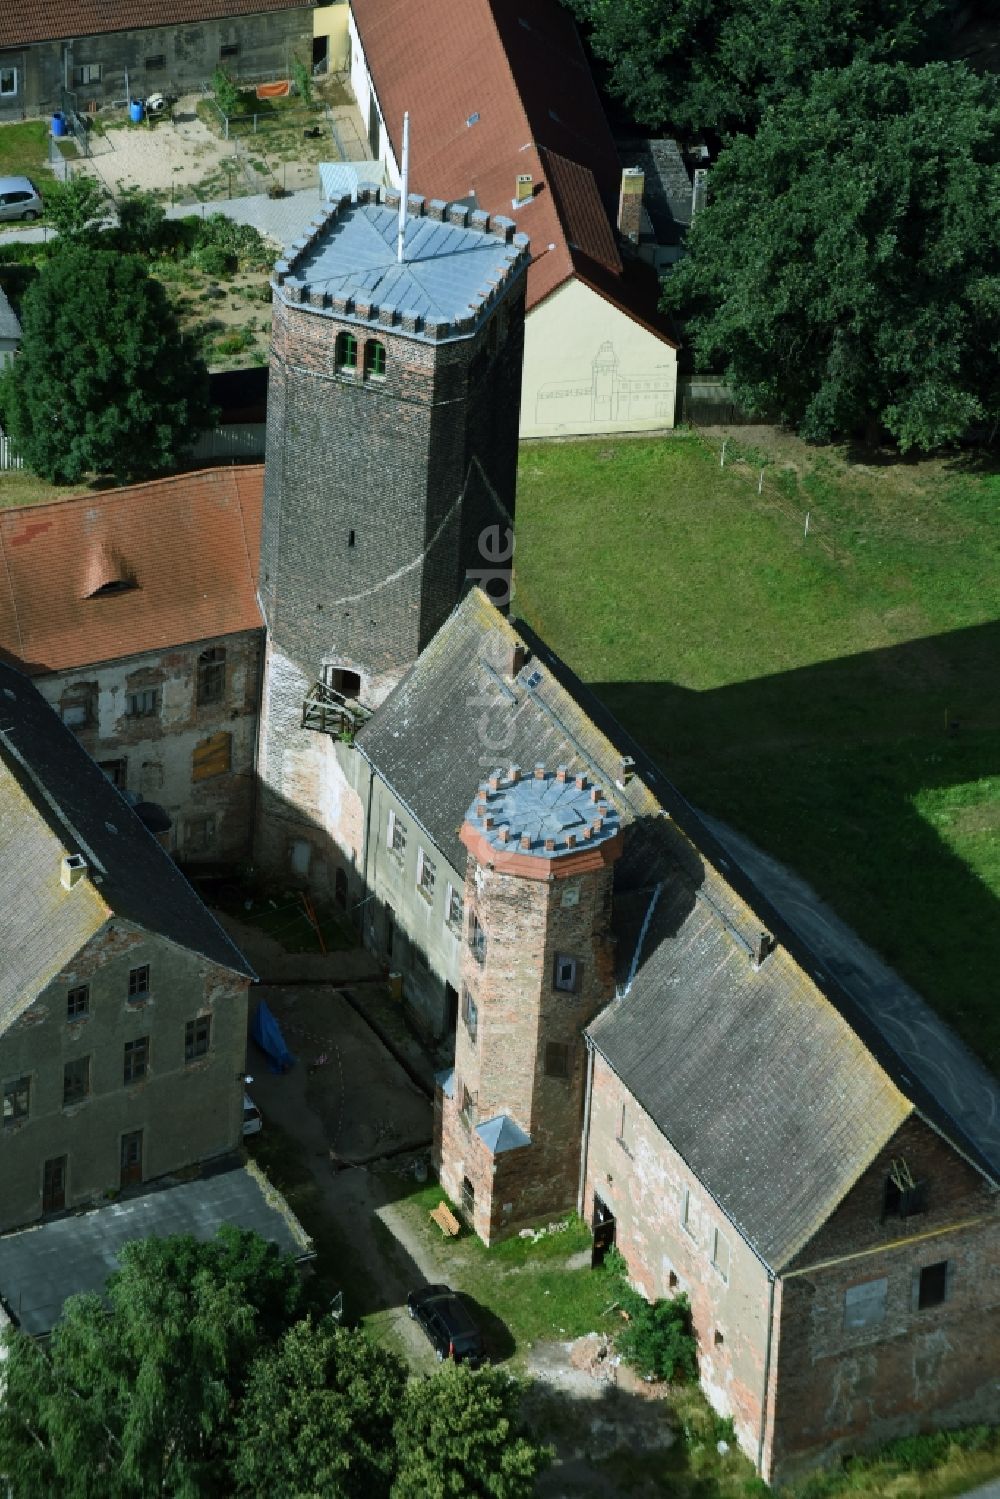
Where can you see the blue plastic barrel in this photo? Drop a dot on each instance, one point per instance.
(136, 110)
(58, 124)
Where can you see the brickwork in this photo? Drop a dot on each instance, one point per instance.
(519, 1050)
(666, 1227)
(194, 757)
(187, 1110)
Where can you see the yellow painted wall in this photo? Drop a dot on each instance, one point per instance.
(331, 21)
(588, 368)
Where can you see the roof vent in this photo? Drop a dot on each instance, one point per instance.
(763, 944)
(524, 188)
(626, 770)
(74, 867)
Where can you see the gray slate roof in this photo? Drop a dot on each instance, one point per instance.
(776, 1085)
(54, 799)
(41, 1266)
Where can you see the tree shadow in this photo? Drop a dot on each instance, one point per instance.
(856, 773)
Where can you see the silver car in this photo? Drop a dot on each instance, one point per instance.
(19, 199)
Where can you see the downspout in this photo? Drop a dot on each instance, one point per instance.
(767, 1371)
(368, 832)
(585, 1137)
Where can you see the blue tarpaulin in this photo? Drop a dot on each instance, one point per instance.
(267, 1033)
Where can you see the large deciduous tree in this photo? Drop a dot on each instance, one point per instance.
(718, 64)
(458, 1435)
(846, 271)
(105, 382)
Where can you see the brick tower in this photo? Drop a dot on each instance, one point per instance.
(393, 414)
(538, 965)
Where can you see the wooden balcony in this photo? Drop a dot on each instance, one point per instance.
(328, 712)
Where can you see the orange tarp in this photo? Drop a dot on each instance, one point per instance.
(279, 90)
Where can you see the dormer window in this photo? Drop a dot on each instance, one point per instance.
(902, 1195)
(114, 585)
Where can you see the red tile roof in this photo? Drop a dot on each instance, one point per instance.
(518, 72)
(185, 548)
(43, 20)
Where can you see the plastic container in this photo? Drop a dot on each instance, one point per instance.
(136, 111)
(59, 124)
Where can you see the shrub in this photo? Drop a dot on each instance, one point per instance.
(657, 1340)
(214, 260)
(247, 247)
(302, 78)
(227, 95)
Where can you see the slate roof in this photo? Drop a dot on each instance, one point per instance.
(43, 20)
(776, 1084)
(447, 274)
(190, 543)
(41, 1266)
(496, 89)
(55, 800)
(502, 1134)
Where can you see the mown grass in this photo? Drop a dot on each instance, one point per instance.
(24, 151)
(833, 695)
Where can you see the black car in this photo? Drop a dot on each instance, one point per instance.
(448, 1323)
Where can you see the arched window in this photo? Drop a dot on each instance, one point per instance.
(347, 351)
(374, 359)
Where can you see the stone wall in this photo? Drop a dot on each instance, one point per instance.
(195, 759)
(187, 1111)
(175, 58)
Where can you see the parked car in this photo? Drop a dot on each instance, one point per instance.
(19, 199)
(253, 1122)
(448, 1324)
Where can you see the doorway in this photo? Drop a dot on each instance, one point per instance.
(131, 1162)
(321, 46)
(603, 1229)
(374, 128)
(451, 1009)
(54, 1185)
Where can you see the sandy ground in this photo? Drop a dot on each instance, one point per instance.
(181, 152)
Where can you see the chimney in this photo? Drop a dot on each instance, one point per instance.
(762, 946)
(699, 190)
(630, 204)
(518, 657)
(72, 871)
(626, 770)
(524, 188)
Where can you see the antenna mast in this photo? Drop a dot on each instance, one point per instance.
(405, 187)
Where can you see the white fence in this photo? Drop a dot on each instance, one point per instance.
(241, 442)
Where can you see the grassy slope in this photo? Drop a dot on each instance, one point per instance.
(799, 686)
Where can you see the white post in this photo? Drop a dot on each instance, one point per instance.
(760, 482)
(404, 187)
(722, 456)
(808, 513)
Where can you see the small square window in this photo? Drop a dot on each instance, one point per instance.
(144, 704)
(76, 1081)
(78, 707)
(557, 1055)
(199, 834)
(470, 1014)
(197, 1038)
(156, 63)
(229, 49)
(136, 1059)
(88, 72)
(425, 875)
(565, 975)
(78, 1002)
(116, 772)
(16, 1100)
(933, 1285)
(138, 982)
(864, 1304)
(8, 82)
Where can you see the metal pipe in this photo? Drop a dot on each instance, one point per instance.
(404, 187)
(767, 1372)
(585, 1137)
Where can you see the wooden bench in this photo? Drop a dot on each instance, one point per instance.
(446, 1220)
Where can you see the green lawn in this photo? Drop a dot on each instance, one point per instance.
(800, 686)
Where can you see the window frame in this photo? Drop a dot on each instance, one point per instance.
(18, 1091)
(558, 1050)
(77, 1003)
(571, 983)
(396, 831)
(210, 676)
(197, 1038)
(203, 842)
(375, 355)
(426, 876)
(135, 1061)
(81, 1089)
(719, 1239)
(9, 93)
(470, 1014)
(139, 986)
(136, 700)
(477, 939)
(689, 1209)
(156, 63)
(945, 1269)
(345, 351)
(454, 908)
(116, 772)
(87, 73)
(228, 50)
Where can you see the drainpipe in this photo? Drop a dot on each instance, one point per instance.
(767, 1372)
(585, 1137)
(368, 831)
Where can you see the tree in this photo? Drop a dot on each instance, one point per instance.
(105, 381)
(136, 1397)
(457, 1434)
(844, 272)
(76, 206)
(318, 1417)
(717, 64)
